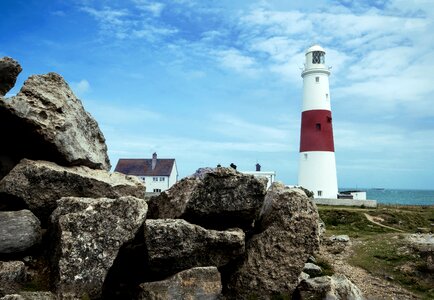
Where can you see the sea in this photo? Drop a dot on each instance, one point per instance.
(398, 196)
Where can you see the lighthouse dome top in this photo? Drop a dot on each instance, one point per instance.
(315, 48)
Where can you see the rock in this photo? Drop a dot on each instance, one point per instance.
(171, 203)
(50, 123)
(175, 244)
(40, 184)
(321, 227)
(424, 245)
(195, 283)
(89, 234)
(30, 296)
(336, 287)
(9, 70)
(12, 275)
(19, 231)
(214, 198)
(312, 269)
(275, 257)
(340, 238)
(303, 276)
(337, 244)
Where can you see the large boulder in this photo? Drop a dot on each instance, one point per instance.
(30, 296)
(40, 184)
(46, 121)
(214, 198)
(174, 245)
(275, 256)
(9, 70)
(19, 231)
(12, 275)
(195, 283)
(336, 287)
(88, 236)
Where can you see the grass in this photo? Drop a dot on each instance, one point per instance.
(381, 251)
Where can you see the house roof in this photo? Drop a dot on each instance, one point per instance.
(143, 167)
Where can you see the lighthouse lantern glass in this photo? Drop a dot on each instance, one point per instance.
(318, 57)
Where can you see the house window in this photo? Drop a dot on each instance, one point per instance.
(327, 97)
(317, 79)
(154, 178)
(305, 156)
(329, 119)
(157, 190)
(318, 126)
(162, 179)
(319, 193)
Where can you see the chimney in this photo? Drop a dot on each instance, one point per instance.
(154, 160)
(258, 168)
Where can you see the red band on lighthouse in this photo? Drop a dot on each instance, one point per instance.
(316, 131)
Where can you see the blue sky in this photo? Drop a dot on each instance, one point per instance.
(210, 82)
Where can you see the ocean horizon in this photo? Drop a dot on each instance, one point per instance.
(397, 196)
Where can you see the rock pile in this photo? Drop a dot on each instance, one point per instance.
(69, 229)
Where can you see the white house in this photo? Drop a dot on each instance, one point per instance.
(269, 175)
(158, 174)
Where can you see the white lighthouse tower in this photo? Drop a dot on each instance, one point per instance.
(317, 168)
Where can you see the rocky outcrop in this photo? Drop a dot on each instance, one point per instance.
(12, 275)
(275, 257)
(336, 243)
(89, 235)
(30, 296)
(336, 287)
(175, 245)
(312, 269)
(215, 198)
(9, 70)
(195, 283)
(19, 231)
(40, 184)
(424, 245)
(50, 123)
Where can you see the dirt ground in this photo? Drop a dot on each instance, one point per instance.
(374, 288)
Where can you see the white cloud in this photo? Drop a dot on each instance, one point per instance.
(235, 60)
(155, 8)
(80, 87)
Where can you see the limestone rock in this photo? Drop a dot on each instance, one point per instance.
(174, 245)
(171, 203)
(12, 275)
(40, 184)
(19, 231)
(195, 283)
(337, 244)
(275, 257)
(336, 287)
(46, 121)
(217, 198)
(30, 296)
(312, 269)
(303, 276)
(89, 234)
(340, 238)
(9, 70)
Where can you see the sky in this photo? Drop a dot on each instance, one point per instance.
(218, 82)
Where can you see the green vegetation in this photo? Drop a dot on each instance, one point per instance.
(381, 251)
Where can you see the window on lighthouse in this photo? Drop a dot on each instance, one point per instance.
(318, 57)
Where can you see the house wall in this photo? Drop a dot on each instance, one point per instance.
(151, 185)
(173, 178)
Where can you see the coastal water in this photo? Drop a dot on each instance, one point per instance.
(398, 196)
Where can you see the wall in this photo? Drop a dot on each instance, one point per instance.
(346, 202)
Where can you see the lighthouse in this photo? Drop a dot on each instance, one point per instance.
(317, 167)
